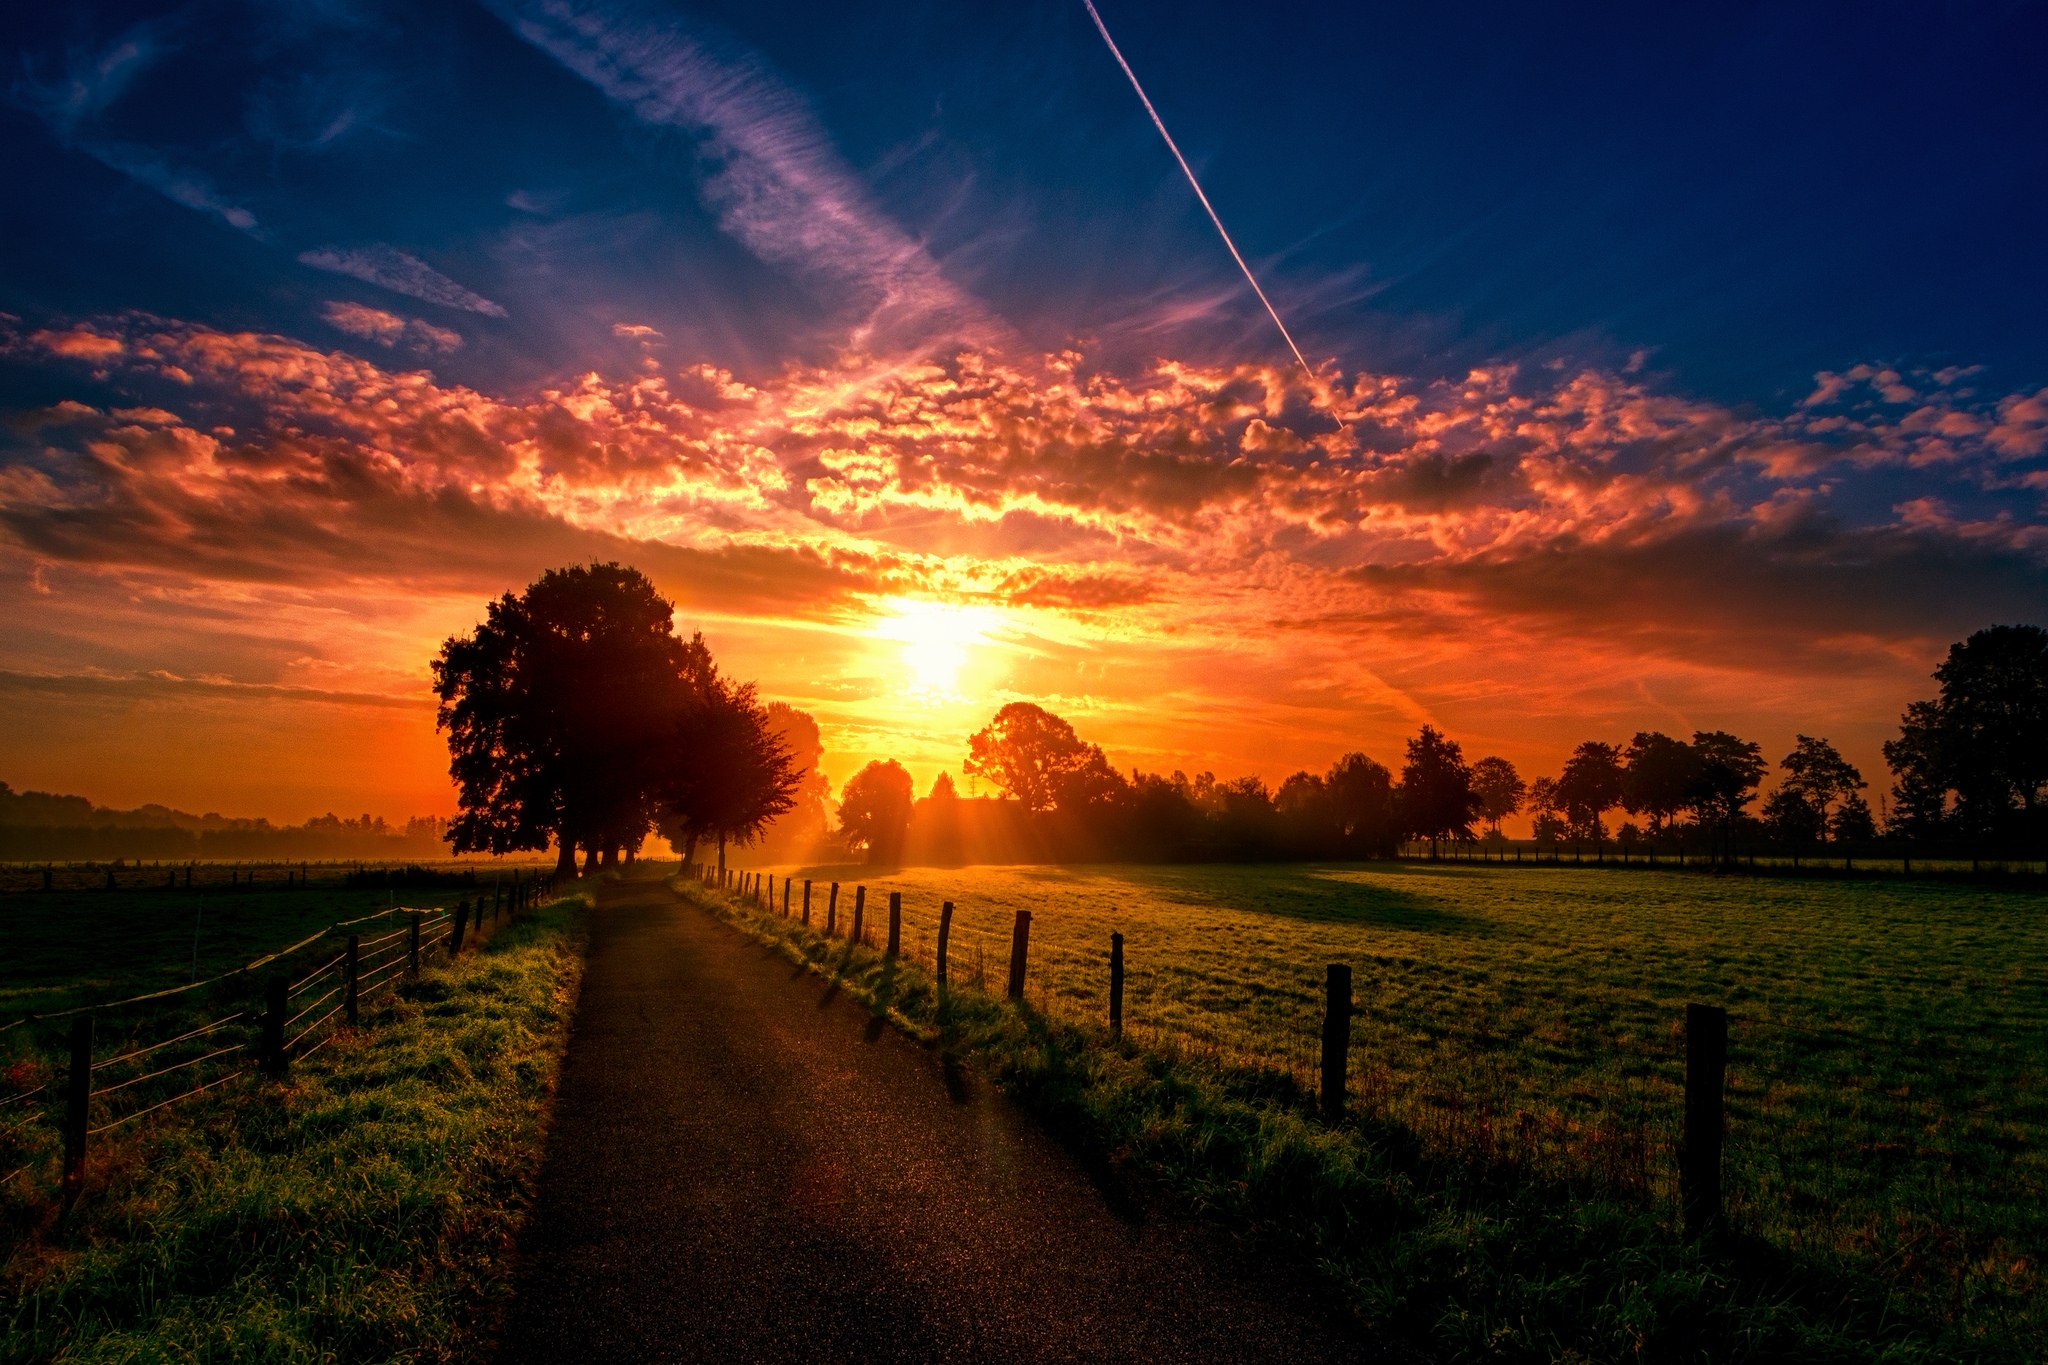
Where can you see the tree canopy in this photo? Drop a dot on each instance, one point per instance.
(1437, 800)
(874, 810)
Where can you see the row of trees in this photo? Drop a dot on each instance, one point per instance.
(1970, 763)
(577, 717)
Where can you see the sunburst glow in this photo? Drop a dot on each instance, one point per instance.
(935, 641)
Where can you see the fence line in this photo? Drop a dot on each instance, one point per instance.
(401, 950)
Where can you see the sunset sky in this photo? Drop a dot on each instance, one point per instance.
(1671, 372)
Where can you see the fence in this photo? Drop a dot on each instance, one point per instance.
(1709, 850)
(300, 1012)
(1713, 1111)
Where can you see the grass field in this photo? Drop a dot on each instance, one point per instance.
(1888, 1094)
(363, 1210)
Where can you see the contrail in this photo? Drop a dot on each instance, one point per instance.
(1158, 123)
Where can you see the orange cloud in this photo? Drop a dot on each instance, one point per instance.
(1207, 566)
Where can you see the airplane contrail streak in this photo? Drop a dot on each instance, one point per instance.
(1186, 170)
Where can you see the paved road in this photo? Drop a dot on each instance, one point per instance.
(745, 1166)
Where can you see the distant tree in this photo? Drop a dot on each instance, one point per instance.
(937, 818)
(1852, 822)
(1500, 789)
(1546, 819)
(795, 834)
(1247, 820)
(1920, 773)
(1361, 796)
(1437, 800)
(554, 706)
(1727, 777)
(1027, 752)
(1790, 816)
(1818, 778)
(874, 811)
(1657, 777)
(727, 774)
(1589, 787)
(1307, 818)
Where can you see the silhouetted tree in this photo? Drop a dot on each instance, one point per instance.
(553, 707)
(938, 818)
(1920, 772)
(1972, 756)
(1851, 821)
(795, 834)
(1817, 781)
(1547, 821)
(1307, 821)
(1589, 787)
(1027, 753)
(1500, 788)
(1658, 776)
(1361, 793)
(874, 811)
(727, 774)
(1437, 800)
(1727, 777)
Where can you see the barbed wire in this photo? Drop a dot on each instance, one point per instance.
(179, 1066)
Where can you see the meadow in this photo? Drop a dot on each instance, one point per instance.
(1887, 1090)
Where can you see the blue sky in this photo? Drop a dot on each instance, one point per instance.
(1746, 194)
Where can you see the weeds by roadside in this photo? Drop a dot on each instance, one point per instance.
(362, 1211)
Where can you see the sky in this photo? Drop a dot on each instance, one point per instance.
(1667, 369)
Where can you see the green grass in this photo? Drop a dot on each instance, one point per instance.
(1505, 1188)
(361, 1211)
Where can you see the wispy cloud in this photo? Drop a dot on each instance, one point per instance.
(389, 268)
(386, 329)
(775, 179)
(72, 105)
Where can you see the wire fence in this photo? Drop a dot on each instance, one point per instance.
(112, 1077)
(1880, 1138)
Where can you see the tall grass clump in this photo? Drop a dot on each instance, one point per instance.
(363, 1210)
(1466, 1223)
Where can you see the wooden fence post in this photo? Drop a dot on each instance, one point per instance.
(895, 923)
(1020, 948)
(1699, 1150)
(860, 907)
(785, 898)
(412, 953)
(461, 923)
(832, 912)
(349, 964)
(1116, 985)
(1336, 1039)
(807, 902)
(273, 1028)
(945, 932)
(77, 1100)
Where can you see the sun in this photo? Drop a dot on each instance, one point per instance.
(935, 640)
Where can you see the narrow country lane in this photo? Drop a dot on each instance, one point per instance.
(747, 1167)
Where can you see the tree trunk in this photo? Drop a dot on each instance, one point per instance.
(590, 860)
(565, 857)
(611, 856)
(690, 851)
(721, 857)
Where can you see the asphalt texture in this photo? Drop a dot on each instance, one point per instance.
(747, 1166)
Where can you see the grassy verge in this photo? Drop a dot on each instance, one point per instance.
(362, 1211)
(1462, 1254)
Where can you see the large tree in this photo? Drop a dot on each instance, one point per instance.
(1437, 800)
(726, 774)
(1818, 781)
(874, 811)
(1361, 794)
(554, 707)
(1657, 776)
(1726, 779)
(1030, 754)
(1501, 789)
(1589, 787)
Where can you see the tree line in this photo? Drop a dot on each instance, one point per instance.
(1969, 764)
(577, 718)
